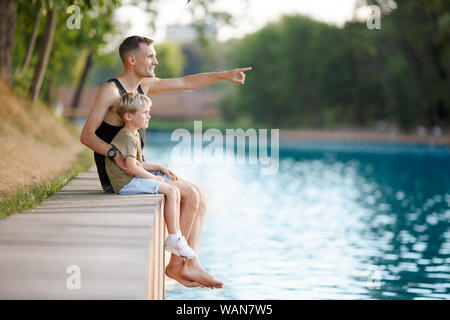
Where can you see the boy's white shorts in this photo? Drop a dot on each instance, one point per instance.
(142, 185)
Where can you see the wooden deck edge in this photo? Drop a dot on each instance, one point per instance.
(156, 273)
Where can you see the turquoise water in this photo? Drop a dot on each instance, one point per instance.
(338, 221)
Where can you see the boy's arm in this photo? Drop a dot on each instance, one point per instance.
(194, 81)
(138, 171)
(151, 166)
(157, 167)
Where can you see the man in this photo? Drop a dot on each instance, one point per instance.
(139, 59)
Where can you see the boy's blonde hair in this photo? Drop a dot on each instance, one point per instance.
(131, 101)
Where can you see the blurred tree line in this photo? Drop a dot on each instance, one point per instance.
(311, 74)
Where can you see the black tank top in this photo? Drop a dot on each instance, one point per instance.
(107, 132)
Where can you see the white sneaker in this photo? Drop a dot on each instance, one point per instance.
(179, 247)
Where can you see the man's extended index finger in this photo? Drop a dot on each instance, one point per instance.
(245, 69)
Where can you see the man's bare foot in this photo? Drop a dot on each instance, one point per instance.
(175, 274)
(193, 271)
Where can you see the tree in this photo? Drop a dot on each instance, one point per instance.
(32, 42)
(8, 15)
(420, 30)
(100, 25)
(307, 73)
(44, 53)
(83, 79)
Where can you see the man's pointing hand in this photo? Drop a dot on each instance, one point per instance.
(236, 75)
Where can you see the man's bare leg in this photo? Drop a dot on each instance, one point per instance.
(192, 267)
(177, 268)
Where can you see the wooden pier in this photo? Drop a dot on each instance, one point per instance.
(84, 244)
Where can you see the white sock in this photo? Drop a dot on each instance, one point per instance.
(172, 237)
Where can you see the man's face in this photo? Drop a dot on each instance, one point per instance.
(146, 61)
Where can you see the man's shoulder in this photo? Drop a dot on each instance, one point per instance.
(107, 95)
(108, 88)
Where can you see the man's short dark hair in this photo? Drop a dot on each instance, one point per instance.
(130, 44)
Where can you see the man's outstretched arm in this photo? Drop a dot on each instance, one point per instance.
(195, 81)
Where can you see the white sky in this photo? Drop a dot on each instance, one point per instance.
(251, 15)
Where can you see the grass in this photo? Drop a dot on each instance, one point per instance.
(30, 196)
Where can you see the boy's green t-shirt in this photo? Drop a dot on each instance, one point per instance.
(129, 145)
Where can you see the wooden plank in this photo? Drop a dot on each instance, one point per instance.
(115, 240)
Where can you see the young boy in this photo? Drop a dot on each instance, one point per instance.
(134, 108)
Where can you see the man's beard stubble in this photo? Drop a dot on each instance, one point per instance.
(147, 75)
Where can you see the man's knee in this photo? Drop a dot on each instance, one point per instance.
(202, 198)
(191, 196)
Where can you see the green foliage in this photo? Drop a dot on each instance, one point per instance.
(310, 74)
(196, 55)
(106, 66)
(70, 47)
(171, 60)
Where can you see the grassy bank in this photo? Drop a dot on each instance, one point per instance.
(28, 197)
(39, 152)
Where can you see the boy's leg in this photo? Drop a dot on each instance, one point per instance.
(171, 206)
(172, 203)
(139, 186)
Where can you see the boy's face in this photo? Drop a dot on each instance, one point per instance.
(141, 117)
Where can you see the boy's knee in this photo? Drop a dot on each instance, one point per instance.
(171, 192)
